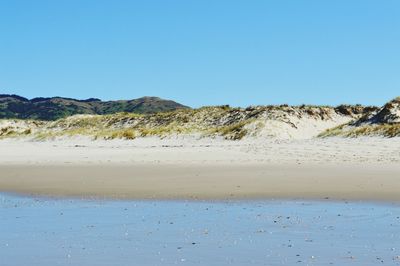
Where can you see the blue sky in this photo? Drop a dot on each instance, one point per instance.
(203, 52)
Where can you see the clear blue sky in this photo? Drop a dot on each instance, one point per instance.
(203, 52)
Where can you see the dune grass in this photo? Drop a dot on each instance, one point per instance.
(331, 132)
(385, 130)
(236, 131)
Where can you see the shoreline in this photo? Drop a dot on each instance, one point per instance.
(315, 232)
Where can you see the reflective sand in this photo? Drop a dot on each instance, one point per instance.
(42, 231)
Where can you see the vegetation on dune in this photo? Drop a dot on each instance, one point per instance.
(384, 130)
(331, 132)
(235, 131)
(16, 128)
(221, 120)
(383, 121)
(230, 123)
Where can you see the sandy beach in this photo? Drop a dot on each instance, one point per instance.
(190, 168)
(199, 133)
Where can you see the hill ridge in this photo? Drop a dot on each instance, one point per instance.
(13, 106)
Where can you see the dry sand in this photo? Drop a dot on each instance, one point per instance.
(365, 169)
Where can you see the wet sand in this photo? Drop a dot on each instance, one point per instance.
(47, 232)
(204, 181)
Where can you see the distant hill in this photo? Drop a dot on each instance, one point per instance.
(14, 106)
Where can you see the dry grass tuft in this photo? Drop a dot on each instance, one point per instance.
(385, 130)
(234, 131)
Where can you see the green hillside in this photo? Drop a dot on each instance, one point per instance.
(14, 106)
